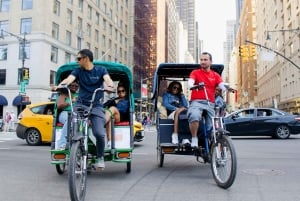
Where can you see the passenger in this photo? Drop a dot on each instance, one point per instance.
(175, 102)
(64, 104)
(117, 108)
(91, 77)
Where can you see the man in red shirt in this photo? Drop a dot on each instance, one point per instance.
(199, 100)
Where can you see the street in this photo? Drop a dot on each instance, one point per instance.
(268, 169)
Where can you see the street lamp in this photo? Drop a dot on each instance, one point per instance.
(24, 71)
(282, 30)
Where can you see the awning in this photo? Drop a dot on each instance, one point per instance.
(3, 100)
(18, 100)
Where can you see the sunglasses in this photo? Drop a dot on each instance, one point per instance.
(175, 87)
(73, 85)
(121, 91)
(79, 58)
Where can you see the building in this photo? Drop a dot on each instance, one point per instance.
(43, 35)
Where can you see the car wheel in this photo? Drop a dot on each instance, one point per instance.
(33, 137)
(282, 132)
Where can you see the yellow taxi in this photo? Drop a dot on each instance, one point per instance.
(36, 122)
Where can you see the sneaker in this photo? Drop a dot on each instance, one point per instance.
(109, 144)
(174, 138)
(194, 142)
(100, 163)
(186, 142)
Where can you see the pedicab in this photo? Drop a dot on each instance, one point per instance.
(215, 148)
(122, 142)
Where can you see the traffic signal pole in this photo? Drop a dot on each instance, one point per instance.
(278, 53)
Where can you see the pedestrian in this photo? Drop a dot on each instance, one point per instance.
(11, 122)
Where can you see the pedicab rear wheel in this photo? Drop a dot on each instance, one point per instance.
(223, 162)
(77, 176)
(128, 167)
(60, 168)
(160, 156)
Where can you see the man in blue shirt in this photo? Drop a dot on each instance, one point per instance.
(91, 77)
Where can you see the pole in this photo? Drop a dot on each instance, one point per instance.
(278, 53)
(141, 99)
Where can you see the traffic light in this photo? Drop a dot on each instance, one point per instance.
(243, 51)
(252, 50)
(25, 73)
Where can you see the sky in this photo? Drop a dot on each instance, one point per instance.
(212, 25)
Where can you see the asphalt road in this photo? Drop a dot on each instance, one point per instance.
(268, 170)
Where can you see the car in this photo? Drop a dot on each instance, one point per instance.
(36, 124)
(262, 122)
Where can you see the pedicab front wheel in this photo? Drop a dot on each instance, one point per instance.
(77, 176)
(223, 162)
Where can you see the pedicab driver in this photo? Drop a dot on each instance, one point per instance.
(91, 77)
(198, 103)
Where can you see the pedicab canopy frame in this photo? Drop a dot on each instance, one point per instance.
(117, 71)
(175, 71)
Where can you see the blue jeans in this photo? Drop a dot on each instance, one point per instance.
(63, 118)
(98, 122)
(196, 109)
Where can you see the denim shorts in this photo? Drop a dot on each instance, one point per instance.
(196, 109)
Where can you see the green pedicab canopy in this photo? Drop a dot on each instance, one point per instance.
(117, 71)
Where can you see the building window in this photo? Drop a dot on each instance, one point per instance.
(80, 5)
(4, 27)
(79, 40)
(98, 3)
(68, 38)
(70, 2)
(69, 16)
(24, 50)
(55, 30)
(56, 8)
(4, 5)
(54, 54)
(96, 53)
(26, 4)
(52, 77)
(88, 45)
(3, 52)
(103, 41)
(67, 57)
(89, 29)
(2, 76)
(26, 25)
(97, 18)
(104, 24)
(89, 14)
(96, 35)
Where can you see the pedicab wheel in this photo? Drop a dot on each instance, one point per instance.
(160, 157)
(128, 167)
(223, 162)
(60, 168)
(77, 176)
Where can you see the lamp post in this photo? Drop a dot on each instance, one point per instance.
(141, 103)
(22, 41)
